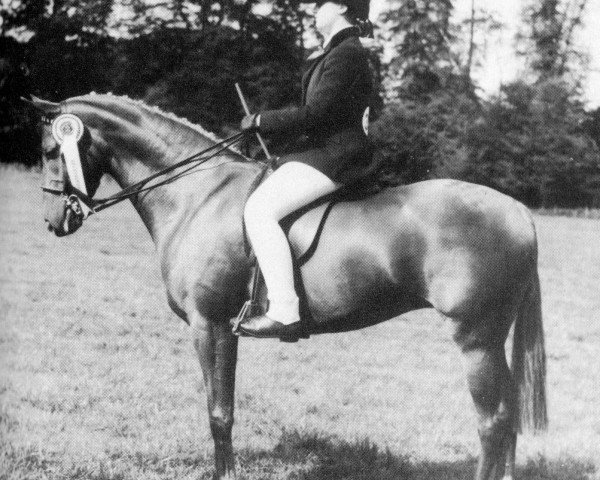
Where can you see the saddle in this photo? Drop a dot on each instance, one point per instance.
(303, 229)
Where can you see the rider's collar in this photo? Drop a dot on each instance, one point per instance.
(338, 37)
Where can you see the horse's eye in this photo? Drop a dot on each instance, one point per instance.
(53, 152)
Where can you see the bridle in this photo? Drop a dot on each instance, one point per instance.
(69, 181)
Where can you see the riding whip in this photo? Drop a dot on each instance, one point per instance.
(252, 306)
(247, 111)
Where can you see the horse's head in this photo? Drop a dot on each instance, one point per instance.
(65, 147)
(87, 136)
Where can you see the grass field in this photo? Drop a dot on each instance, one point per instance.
(98, 379)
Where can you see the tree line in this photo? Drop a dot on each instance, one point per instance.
(534, 140)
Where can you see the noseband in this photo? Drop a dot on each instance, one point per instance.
(67, 130)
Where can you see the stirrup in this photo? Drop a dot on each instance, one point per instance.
(251, 308)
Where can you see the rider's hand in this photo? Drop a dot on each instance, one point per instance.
(249, 123)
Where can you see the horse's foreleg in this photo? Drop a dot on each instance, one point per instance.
(511, 449)
(216, 348)
(491, 386)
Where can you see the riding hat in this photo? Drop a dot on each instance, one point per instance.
(358, 9)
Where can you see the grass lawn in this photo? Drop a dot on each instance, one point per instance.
(98, 378)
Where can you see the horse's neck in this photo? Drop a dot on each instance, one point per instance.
(153, 144)
(192, 196)
(169, 206)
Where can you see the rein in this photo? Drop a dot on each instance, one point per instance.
(68, 129)
(139, 187)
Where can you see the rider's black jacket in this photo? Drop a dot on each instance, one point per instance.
(328, 129)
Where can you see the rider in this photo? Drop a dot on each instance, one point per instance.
(333, 151)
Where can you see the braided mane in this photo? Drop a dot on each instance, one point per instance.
(155, 110)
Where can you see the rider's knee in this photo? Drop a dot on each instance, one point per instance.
(257, 210)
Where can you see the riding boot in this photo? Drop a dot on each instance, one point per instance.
(281, 321)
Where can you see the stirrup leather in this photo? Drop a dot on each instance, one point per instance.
(253, 306)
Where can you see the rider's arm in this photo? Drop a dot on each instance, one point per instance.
(332, 98)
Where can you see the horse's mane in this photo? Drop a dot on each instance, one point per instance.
(153, 110)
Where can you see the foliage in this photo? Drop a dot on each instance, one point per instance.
(65, 54)
(419, 35)
(469, 47)
(529, 142)
(419, 134)
(81, 20)
(531, 145)
(18, 136)
(592, 125)
(534, 141)
(192, 73)
(418, 140)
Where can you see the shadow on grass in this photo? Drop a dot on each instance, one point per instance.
(300, 456)
(297, 456)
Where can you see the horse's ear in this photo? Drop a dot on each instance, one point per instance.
(46, 108)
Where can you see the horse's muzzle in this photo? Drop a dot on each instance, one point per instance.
(61, 219)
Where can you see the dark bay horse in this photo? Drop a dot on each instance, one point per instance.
(465, 250)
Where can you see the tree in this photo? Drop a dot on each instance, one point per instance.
(65, 43)
(549, 27)
(201, 48)
(417, 140)
(530, 144)
(472, 37)
(19, 141)
(83, 19)
(193, 72)
(418, 33)
(430, 102)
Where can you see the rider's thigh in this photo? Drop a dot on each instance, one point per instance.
(291, 187)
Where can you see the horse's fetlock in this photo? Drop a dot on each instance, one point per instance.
(494, 431)
(504, 419)
(221, 426)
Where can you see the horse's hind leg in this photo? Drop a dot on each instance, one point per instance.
(491, 386)
(216, 348)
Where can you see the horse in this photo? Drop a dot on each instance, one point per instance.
(465, 250)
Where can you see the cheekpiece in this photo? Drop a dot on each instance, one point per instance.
(67, 125)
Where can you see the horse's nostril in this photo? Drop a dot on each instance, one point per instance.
(50, 227)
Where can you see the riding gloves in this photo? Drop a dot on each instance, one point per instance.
(250, 123)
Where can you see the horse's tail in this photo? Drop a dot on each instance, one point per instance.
(529, 360)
